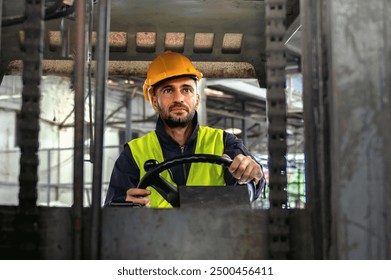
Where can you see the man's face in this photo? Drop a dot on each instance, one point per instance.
(176, 101)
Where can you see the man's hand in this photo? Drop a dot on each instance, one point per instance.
(139, 196)
(244, 169)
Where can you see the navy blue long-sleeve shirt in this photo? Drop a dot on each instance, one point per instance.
(126, 173)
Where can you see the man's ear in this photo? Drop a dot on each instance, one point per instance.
(198, 97)
(154, 102)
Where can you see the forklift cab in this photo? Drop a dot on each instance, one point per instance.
(341, 48)
(207, 222)
(202, 227)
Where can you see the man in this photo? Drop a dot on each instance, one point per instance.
(171, 87)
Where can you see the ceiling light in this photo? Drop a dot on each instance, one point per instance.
(234, 130)
(209, 91)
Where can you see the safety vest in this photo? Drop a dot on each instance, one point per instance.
(209, 141)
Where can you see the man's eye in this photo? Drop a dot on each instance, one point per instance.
(187, 90)
(167, 90)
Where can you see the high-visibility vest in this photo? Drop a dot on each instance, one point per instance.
(209, 141)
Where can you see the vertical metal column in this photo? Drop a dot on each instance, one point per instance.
(27, 237)
(359, 36)
(128, 129)
(101, 88)
(315, 110)
(1, 16)
(244, 124)
(275, 14)
(90, 29)
(202, 114)
(49, 175)
(78, 161)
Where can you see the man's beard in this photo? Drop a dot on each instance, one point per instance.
(174, 121)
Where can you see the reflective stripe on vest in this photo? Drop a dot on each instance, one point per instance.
(209, 141)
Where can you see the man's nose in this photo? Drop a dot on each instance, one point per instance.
(177, 94)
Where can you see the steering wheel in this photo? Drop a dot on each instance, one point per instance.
(161, 185)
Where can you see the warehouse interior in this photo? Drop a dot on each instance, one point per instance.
(71, 97)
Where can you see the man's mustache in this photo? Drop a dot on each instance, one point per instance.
(178, 105)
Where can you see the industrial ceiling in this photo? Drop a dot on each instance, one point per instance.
(219, 36)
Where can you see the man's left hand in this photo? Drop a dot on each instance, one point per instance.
(244, 169)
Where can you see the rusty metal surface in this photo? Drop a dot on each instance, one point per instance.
(131, 233)
(232, 197)
(360, 117)
(237, 29)
(136, 233)
(54, 231)
(139, 68)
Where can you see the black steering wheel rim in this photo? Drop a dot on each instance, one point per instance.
(166, 189)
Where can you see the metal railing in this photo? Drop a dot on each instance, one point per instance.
(55, 181)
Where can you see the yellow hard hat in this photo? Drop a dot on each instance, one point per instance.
(167, 65)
